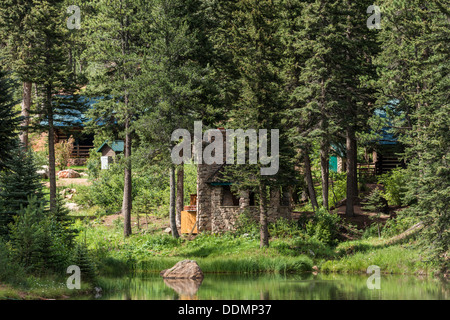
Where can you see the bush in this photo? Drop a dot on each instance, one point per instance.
(284, 228)
(338, 185)
(82, 259)
(150, 189)
(105, 192)
(375, 202)
(9, 270)
(402, 222)
(63, 153)
(324, 227)
(93, 166)
(247, 225)
(41, 240)
(395, 186)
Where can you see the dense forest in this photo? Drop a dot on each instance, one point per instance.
(336, 78)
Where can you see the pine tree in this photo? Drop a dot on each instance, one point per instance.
(414, 67)
(82, 259)
(43, 60)
(116, 57)
(307, 31)
(27, 234)
(62, 224)
(38, 240)
(177, 78)
(326, 64)
(9, 120)
(15, 31)
(249, 36)
(18, 182)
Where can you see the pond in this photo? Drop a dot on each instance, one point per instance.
(274, 287)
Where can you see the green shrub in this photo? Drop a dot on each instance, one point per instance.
(93, 166)
(395, 186)
(399, 224)
(324, 227)
(247, 225)
(82, 259)
(284, 228)
(338, 190)
(10, 271)
(41, 241)
(160, 242)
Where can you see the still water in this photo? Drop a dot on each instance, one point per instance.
(275, 287)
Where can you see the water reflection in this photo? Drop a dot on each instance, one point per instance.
(274, 287)
(186, 288)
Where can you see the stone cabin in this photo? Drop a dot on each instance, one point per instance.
(218, 208)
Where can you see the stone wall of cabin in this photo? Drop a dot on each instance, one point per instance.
(213, 216)
(214, 212)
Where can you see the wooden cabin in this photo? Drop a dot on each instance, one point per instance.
(109, 151)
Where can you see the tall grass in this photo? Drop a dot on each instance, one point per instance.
(243, 265)
(393, 259)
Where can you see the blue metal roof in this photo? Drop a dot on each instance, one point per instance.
(71, 117)
(387, 135)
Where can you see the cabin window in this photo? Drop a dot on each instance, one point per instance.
(252, 198)
(229, 199)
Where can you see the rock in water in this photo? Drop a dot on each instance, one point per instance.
(186, 269)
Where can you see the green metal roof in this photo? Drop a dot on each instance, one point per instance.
(116, 145)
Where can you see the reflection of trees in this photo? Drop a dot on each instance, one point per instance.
(275, 287)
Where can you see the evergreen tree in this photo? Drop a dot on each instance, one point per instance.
(82, 259)
(356, 74)
(62, 225)
(414, 67)
(28, 235)
(327, 65)
(116, 57)
(8, 120)
(177, 78)
(42, 59)
(16, 33)
(18, 182)
(250, 37)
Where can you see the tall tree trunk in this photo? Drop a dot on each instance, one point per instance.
(309, 180)
(352, 179)
(173, 222)
(26, 105)
(51, 148)
(263, 229)
(324, 147)
(127, 189)
(180, 193)
(324, 167)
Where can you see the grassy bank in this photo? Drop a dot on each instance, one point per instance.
(240, 254)
(292, 250)
(33, 288)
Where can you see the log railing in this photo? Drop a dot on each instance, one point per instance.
(81, 151)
